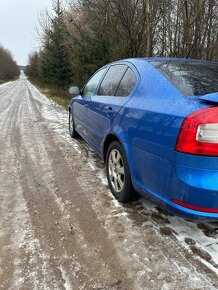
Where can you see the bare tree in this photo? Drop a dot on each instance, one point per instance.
(8, 67)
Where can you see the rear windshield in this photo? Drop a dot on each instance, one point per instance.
(191, 78)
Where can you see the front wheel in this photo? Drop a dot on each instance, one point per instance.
(72, 130)
(118, 173)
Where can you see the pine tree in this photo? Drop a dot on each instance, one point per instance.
(55, 59)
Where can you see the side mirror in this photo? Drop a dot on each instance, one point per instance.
(74, 91)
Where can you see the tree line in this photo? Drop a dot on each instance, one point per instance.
(8, 67)
(78, 39)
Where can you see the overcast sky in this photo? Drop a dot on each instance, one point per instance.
(17, 20)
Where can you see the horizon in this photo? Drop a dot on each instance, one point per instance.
(17, 31)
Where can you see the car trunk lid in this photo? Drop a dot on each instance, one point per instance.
(210, 98)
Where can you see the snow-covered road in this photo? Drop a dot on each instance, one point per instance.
(60, 228)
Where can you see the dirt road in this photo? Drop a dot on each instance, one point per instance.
(60, 228)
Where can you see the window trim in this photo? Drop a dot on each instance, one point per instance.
(114, 64)
(121, 81)
(97, 87)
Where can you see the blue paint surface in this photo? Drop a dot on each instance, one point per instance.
(147, 124)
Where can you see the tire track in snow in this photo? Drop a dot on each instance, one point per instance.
(125, 216)
(61, 228)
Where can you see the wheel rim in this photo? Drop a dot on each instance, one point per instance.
(71, 123)
(116, 170)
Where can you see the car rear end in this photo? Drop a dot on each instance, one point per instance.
(195, 175)
(194, 180)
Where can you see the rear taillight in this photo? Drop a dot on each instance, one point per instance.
(199, 133)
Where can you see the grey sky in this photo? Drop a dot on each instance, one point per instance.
(17, 20)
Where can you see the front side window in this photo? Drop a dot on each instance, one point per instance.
(127, 84)
(112, 80)
(92, 84)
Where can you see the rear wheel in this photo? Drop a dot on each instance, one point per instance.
(72, 130)
(118, 173)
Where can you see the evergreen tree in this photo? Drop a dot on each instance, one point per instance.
(33, 69)
(91, 33)
(55, 59)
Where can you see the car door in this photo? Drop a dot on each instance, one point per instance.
(110, 98)
(81, 104)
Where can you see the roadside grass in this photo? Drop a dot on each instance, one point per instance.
(58, 95)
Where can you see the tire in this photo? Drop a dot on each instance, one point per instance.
(72, 130)
(118, 173)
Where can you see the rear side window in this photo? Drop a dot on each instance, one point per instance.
(112, 80)
(127, 84)
(191, 78)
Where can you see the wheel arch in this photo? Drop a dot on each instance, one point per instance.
(111, 137)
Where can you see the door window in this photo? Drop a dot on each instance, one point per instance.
(127, 84)
(112, 79)
(92, 84)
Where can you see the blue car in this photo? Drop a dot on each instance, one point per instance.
(154, 121)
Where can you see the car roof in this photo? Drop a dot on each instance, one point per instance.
(155, 59)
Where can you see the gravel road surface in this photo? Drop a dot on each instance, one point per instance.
(60, 228)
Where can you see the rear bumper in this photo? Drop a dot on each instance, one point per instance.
(190, 214)
(178, 210)
(190, 180)
(194, 191)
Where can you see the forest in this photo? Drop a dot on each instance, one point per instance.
(8, 67)
(78, 38)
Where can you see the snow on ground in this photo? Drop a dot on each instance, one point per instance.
(5, 85)
(191, 233)
(23, 238)
(192, 236)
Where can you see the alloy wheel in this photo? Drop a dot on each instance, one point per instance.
(71, 124)
(116, 170)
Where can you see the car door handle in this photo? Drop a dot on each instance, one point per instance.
(109, 111)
